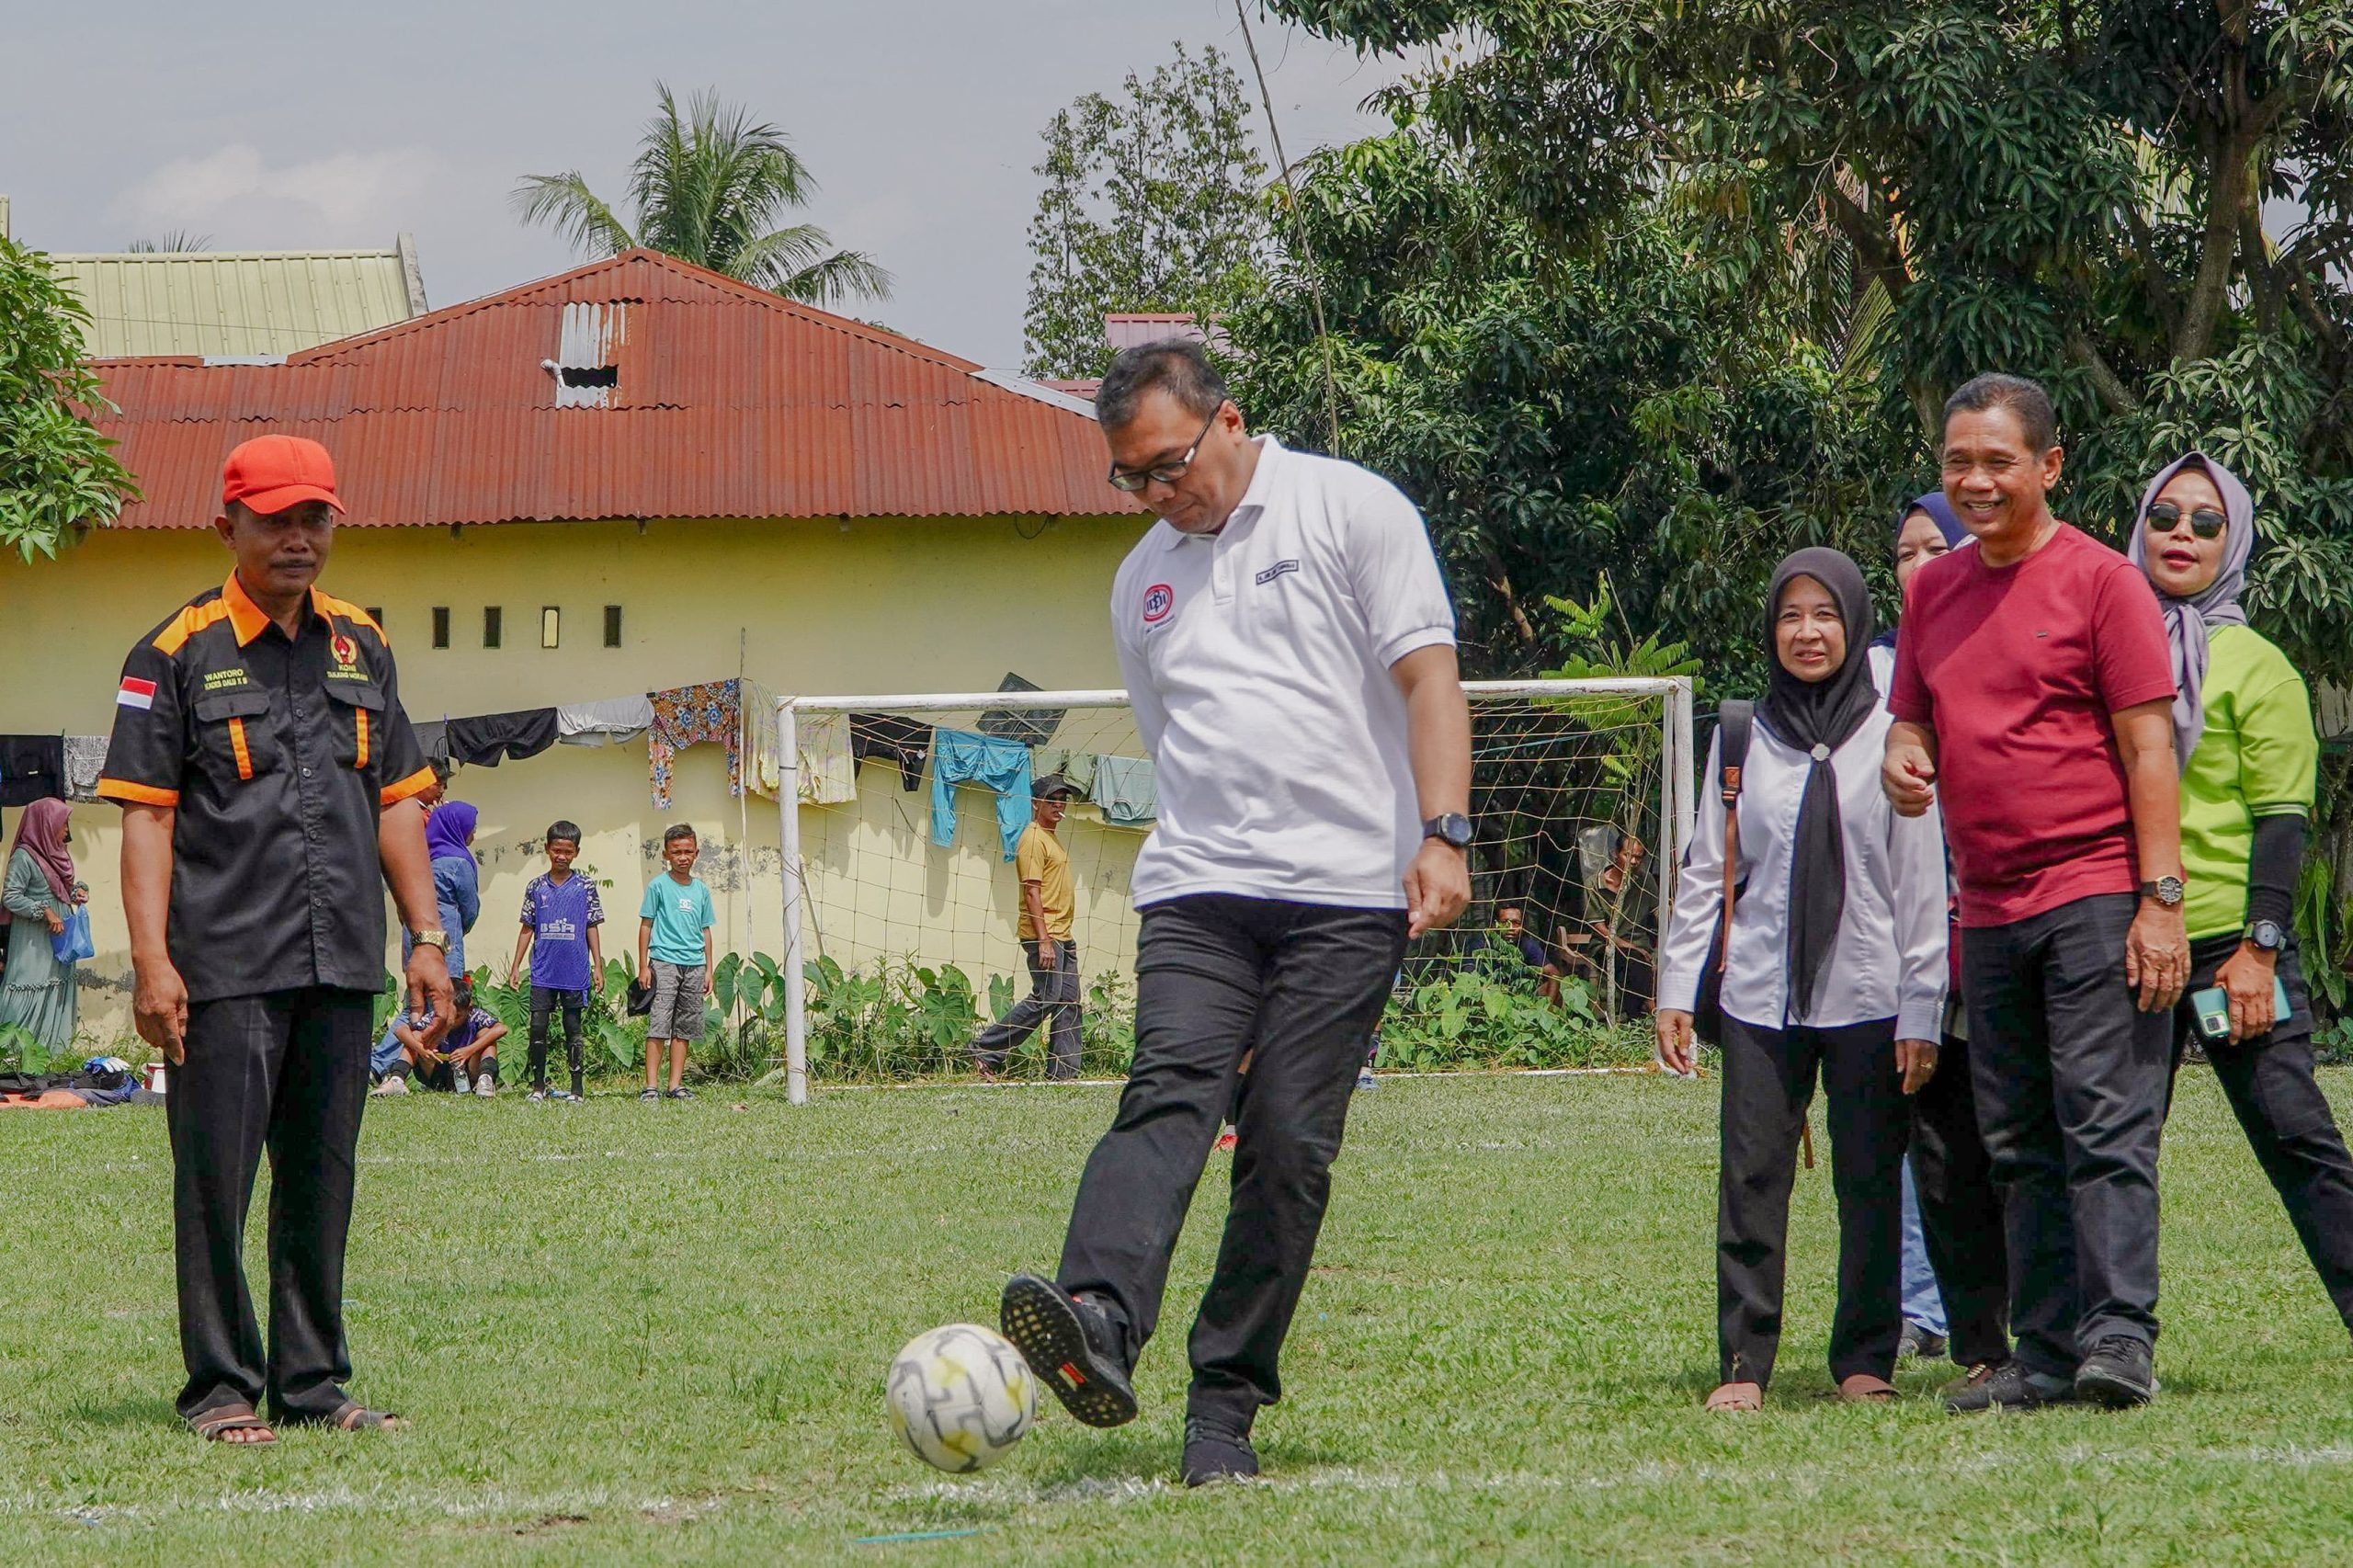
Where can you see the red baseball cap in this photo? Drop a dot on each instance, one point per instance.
(271, 474)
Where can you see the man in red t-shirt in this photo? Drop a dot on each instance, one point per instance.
(2033, 696)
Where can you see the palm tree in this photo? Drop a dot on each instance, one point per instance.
(708, 188)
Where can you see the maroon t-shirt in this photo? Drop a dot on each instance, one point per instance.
(2017, 670)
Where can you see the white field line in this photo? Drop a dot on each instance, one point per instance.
(824, 1087)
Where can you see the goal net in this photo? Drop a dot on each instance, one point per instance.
(902, 900)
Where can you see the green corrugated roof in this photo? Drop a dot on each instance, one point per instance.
(232, 303)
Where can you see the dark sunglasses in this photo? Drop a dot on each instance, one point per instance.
(1132, 480)
(2205, 522)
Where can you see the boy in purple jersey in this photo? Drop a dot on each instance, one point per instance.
(560, 913)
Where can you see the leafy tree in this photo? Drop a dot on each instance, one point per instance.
(2073, 189)
(709, 187)
(1150, 204)
(1563, 418)
(56, 470)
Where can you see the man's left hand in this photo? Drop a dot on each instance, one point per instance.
(428, 986)
(1438, 887)
(2156, 955)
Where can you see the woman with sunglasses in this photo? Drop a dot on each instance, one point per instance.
(1836, 968)
(2243, 723)
(36, 991)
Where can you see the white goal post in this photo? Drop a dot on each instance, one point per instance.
(1644, 727)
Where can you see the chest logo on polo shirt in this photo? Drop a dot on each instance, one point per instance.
(1158, 600)
(346, 652)
(1279, 569)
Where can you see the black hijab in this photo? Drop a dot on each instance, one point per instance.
(1819, 717)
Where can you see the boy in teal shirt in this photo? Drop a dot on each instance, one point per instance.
(674, 922)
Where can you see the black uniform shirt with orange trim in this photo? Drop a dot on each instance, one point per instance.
(279, 754)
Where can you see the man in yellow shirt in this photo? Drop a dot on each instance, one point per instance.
(1047, 904)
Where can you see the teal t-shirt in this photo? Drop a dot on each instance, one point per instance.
(2256, 759)
(680, 913)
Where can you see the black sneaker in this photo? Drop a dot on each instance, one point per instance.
(2118, 1373)
(2005, 1385)
(1073, 1347)
(1213, 1454)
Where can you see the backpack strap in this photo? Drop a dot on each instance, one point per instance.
(1735, 723)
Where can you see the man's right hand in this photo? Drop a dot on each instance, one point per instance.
(1048, 955)
(1675, 1042)
(645, 976)
(159, 1007)
(1909, 777)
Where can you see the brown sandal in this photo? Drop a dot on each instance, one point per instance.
(214, 1426)
(1736, 1399)
(1864, 1388)
(355, 1416)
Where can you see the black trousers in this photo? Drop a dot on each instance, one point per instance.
(1052, 1001)
(2268, 1081)
(1217, 976)
(286, 1071)
(2071, 1094)
(545, 1002)
(1769, 1077)
(1961, 1210)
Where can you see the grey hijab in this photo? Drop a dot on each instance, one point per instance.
(2186, 621)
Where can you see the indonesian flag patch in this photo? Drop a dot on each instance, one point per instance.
(135, 693)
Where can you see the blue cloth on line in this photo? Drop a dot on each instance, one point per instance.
(1127, 789)
(958, 756)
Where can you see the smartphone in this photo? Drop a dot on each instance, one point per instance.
(2214, 1009)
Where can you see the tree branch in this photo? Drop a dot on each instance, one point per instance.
(1870, 237)
(2113, 393)
(2154, 280)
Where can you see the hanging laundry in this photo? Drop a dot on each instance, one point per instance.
(693, 715)
(888, 737)
(764, 739)
(1076, 766)
(32, 767)
(481, 742)
(829, 772)
(1031, 726)
(605, 723)
(433, 737)
(85, 758)
(1003, 766)
(1128, 791)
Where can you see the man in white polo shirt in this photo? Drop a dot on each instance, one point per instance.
(1289, 652)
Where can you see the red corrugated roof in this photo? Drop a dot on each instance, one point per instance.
(730, 402)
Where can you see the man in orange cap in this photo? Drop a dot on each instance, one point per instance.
(269, 782)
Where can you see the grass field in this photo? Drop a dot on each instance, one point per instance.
(635, 1333)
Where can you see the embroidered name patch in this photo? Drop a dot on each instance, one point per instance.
(135, 693)
(224, 680)
(1277, 569)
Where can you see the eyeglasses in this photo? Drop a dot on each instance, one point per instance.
(1132, 480)
(2205, 522)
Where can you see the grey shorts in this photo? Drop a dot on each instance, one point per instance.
(677, 1002)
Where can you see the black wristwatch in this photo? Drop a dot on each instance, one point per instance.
(2266, 935)
(2167, 890)
(1453, 828)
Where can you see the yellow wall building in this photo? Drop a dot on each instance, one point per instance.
(848, 600)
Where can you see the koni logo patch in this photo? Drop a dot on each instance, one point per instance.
(1158, 600)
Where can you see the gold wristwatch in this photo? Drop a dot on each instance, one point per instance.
(431, 939)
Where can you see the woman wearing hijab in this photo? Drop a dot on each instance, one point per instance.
(37, 897)
(1835, 966)
(448, 838)
(2243, 723)
(1956, 1261)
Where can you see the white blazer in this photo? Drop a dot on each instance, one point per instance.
(1889, 959)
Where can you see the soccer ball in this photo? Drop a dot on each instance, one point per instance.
(960, 1397)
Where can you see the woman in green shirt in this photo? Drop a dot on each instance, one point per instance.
(37, 897)
(2243, 725)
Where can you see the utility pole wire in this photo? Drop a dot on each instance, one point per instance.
(1298, 227)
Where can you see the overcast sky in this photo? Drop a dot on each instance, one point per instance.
(278, 126)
